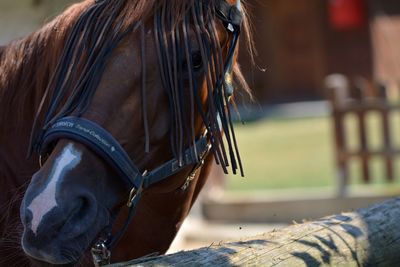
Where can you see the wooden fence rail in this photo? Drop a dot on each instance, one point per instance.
(367, 237)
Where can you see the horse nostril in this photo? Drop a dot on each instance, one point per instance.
(81, 207)
(81, 217)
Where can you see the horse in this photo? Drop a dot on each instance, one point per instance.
(111, 116)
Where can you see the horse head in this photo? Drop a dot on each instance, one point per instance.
(138, 97)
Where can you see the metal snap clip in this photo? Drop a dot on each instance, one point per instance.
(101, 254)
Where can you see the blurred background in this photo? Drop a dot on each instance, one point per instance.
(323, 135)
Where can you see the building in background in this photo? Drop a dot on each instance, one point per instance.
(21, 17)
(299, 42)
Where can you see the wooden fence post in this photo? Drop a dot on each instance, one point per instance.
(337, 86)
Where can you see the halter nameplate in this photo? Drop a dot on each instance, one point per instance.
(99, 140)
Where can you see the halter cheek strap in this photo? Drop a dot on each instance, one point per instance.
(232, 18)
(229, 14)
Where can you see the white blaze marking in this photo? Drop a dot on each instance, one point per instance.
(46, 200)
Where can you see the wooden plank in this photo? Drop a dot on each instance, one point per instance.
(341, 147)
(290, 206)
(387, 141)
(337, 87)
(362, 131)
(367, 237)
(384, 152)
(370, 105)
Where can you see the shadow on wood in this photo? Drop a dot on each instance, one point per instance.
(367, 237)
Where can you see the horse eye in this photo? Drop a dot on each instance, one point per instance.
(197, 61)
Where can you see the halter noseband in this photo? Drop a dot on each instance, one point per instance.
(107, 147)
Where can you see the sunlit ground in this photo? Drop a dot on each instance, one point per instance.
(298, 153)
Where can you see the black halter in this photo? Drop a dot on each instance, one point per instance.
(107, 147)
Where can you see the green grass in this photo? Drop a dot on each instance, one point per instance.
(283, 154)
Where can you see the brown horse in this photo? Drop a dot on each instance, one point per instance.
(152, 78)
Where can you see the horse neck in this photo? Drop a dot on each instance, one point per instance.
(19, 91)
(26, 67)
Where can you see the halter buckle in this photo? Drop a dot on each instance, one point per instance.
(230, 27)
(101, 254)
(132, 195)
(193, 173)
(135, 192)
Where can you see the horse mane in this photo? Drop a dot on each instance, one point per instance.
(56, 70)
(26, 65)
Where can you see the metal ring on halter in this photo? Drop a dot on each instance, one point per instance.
(43, 159)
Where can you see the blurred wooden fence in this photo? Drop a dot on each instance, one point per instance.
(361, 97)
